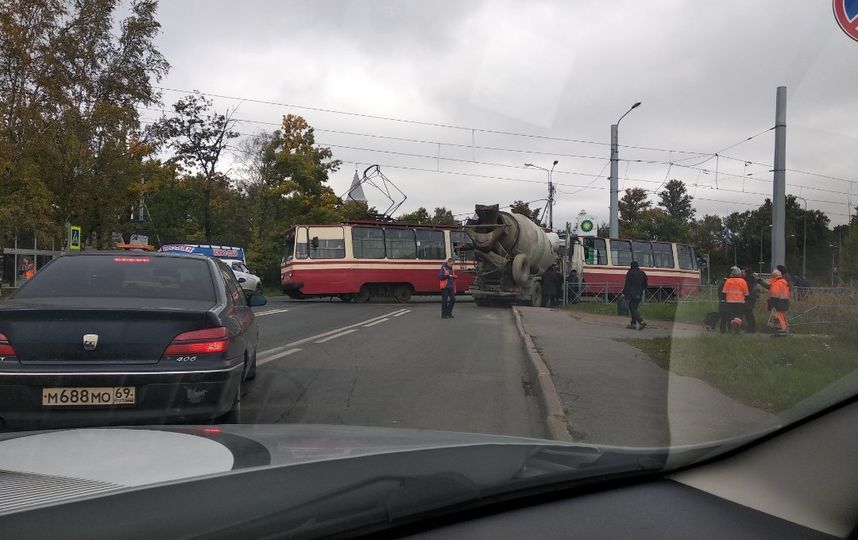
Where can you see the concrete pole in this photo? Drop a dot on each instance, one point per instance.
(779, 184)
(615, 185)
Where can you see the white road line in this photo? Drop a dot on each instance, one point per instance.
(376, 322)
(271, 312)
(403, 312)
(282, 348)
(261, 361)
(335, 336)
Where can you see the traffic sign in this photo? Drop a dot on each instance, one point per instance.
(846, 13)
(74, 237)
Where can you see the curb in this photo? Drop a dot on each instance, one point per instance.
(540, 376)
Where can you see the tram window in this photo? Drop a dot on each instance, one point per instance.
(686, 257)
(463, 246)
(327, 243)
(642, 253)
(368, 242)
(400, 243)
(662, 254)
(595, 251)
(621, 252)
(301, 243)
(289, 247)
(430, 245)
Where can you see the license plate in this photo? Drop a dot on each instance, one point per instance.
(88, 396)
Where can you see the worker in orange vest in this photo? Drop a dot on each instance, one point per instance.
(447, 284)
(28, 270)
(735, 293)
(779, 301)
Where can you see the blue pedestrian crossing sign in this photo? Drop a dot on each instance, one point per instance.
(74, 238)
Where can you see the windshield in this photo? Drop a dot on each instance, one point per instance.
(617, 224)
(114, 276)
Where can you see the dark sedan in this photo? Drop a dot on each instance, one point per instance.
(125, 337)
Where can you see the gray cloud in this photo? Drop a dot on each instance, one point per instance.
(705, 71)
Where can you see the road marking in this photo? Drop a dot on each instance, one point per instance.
(335, 336)
(377, 322)
(267, 359)
(403, 312)
(277, 350)
(271, 312)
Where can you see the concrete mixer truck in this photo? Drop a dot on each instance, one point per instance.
(511, 252)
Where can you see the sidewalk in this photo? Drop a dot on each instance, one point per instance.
(613, 394)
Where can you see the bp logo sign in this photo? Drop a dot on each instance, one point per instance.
(587, 227)
(846, 13)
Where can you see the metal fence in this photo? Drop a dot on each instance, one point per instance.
(603, 293)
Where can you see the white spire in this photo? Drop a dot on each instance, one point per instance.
(356, 190)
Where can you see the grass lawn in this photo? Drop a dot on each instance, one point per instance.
(771, 374)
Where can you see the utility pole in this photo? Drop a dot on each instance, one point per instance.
(779, 184)
(615, 181)
(550, 204)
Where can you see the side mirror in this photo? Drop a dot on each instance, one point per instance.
(242, 280)
(315, 242)
(256, 300)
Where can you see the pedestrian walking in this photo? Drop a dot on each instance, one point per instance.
(778, 301)
(751, 280)
(447, 285)
(574, 287)
(735, 294)
(27, 271)
(550, 290)
(633, 291)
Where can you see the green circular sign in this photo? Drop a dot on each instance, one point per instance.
(586, 225)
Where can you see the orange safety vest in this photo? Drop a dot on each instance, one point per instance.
(445, 275)
(29, 271)
(735, 290)
(779, 288)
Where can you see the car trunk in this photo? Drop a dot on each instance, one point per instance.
(131, 335)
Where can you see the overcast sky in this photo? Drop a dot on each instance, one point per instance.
(706, 73)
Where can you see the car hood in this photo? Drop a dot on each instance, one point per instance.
(50, 467)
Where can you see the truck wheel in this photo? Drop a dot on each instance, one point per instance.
(536, 295)
(402, 293)
(520, 270)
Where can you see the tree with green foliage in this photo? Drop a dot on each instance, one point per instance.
(421, 216)
(287, 186)
(523, 208)
(676, 201)
(199, 137)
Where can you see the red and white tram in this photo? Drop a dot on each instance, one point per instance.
(602, 264)
(364, 259)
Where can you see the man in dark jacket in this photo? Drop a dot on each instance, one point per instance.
(549, 287)
(751, 300)
(633, 291)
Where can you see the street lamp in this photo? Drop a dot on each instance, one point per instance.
(615, 223)
(550, 191)
(804, 240)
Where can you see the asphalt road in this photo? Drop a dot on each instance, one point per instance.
(391, 365)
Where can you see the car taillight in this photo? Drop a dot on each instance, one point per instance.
(6, 348)
(208, 341)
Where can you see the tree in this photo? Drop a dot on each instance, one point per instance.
(443, 216)
(199, 137)
(288, 186)
(71, 80)
(418, 217)
(632, 206)
(523, 208)
(676, 201)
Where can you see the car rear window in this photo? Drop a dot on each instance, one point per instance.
(123, 275)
